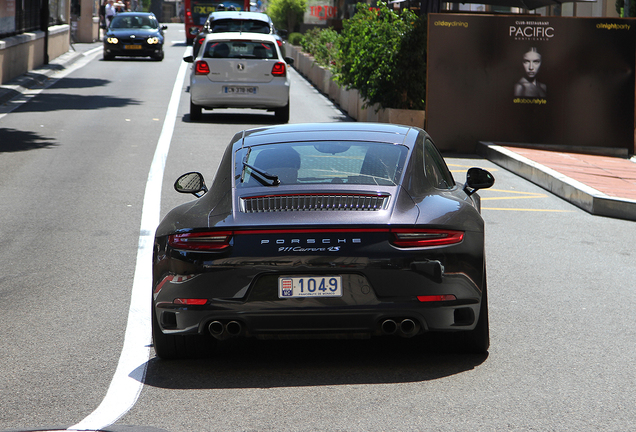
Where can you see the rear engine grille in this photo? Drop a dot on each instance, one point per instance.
(311, 202)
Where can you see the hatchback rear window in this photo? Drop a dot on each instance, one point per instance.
(240, 49)
(234, 25)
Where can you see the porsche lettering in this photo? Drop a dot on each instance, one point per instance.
(311, 241)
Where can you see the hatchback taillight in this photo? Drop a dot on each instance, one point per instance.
(201, 68)
(279, 69)
(201, 241)
(404, 237)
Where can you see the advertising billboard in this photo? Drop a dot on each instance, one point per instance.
(530, 79)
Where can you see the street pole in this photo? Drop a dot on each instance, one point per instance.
(44, 26)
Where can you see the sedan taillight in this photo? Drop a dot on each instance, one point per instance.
(408, 238)
(201, 68)
(201, 241)
(279, 69)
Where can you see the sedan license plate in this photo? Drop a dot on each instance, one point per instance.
(240, 90)
(132, 47)
(310, 286)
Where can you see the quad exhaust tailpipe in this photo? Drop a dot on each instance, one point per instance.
(225, 331)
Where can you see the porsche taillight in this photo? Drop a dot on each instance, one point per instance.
(410, 238)
(201, 68)
(201, 241)
(279, 69)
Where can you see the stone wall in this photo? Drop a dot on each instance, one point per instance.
(22, 53)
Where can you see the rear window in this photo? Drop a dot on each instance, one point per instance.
(324, 163)
(240, 49)
(235, 25)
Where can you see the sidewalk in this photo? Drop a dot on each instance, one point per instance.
(39, 76)
(600, 185)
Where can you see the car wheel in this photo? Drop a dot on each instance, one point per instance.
(169, 347)
(108, 56)
(195, 112)
(477, 341)
(282, 114)
(159, 56)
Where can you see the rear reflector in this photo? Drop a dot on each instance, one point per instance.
(203, 241)
(437, 298)
(201, 68)
(190, 302)
(279, 69)
(404, 237)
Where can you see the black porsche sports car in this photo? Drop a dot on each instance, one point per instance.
(322, 230)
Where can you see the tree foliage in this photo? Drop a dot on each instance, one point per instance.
(287, 14)
(383, 55)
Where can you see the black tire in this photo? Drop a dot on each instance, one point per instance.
(170, 347)
(158, 57)
(282, 114)
(108, 57)
(477, 341)
(195, 112)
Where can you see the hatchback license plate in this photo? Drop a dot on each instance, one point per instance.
(240, 90)
(310, 286)
(132, 47)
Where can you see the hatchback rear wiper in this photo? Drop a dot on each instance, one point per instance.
(262, 176)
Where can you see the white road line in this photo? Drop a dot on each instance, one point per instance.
(129, 377)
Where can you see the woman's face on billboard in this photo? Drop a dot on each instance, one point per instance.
(531, 63)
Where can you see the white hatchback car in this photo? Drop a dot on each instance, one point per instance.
(239, 70)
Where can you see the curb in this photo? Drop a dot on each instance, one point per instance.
(577, 193)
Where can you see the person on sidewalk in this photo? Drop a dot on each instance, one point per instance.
(110, 12)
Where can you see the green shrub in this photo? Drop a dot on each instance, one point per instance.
(383, 55)
(321, 44)
(295, 38)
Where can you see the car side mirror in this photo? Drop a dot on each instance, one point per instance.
(188, 59)
(192, 183)
(477, 178)
(164, 27)
(289, 61)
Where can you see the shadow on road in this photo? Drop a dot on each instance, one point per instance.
(265, 118)
(250, 363)
(13, 140)
(61, 101)
(77, 83)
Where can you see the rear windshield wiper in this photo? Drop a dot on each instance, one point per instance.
(262, 176)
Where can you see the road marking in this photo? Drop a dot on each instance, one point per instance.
(527, 210)
(524, 195)
(129, 377)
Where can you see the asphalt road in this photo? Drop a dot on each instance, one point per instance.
(74, 175)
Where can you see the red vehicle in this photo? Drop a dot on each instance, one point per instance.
(197, 11)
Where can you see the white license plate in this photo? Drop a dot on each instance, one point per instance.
(240, 90)
(310, 286)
